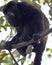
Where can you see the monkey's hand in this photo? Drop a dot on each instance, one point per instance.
(36, 37)
(8, 45)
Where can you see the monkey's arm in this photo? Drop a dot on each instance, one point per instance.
(8, 44)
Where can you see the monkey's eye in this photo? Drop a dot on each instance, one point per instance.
(10, 15)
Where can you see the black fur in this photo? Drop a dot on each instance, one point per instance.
(28, 21)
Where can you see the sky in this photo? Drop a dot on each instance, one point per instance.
(45, 59)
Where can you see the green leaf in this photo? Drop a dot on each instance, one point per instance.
(49, 55)
(1, 20)
(50, 18)
(51, 1)
(42, 1)
(3, 61)
(7, 25)
(51, 50)
(2, 55)
(8, 60)
(22, 60)
(4, 27)
(47, 49)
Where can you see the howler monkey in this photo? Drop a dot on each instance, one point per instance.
(28, 21)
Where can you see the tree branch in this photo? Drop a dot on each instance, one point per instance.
(22, 44)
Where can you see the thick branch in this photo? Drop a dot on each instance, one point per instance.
(22, 44)
(32, 40)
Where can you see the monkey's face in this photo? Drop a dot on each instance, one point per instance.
(12, 14)
(13, 17)
(10, 17)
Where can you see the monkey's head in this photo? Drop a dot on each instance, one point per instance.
(12, 13)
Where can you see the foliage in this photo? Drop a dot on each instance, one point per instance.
(49, 50)
(3, 23)
(5, 57)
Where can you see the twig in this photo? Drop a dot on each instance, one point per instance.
(13, 57)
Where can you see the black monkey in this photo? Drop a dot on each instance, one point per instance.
(28, 21)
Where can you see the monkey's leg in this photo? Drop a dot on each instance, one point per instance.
(38, 49)
(38, 59)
